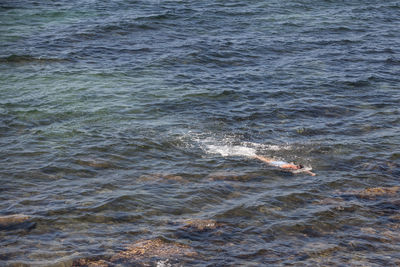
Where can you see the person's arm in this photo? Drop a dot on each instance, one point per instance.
(310, 173)
(304, 171)
(265, 159)
(282, 164)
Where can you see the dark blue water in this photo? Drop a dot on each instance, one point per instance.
(122, 121)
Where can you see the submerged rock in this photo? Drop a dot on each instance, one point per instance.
(328, 201)
(393, 236)
(368, 230)
(379, 191)
(395, 217)
(201, 225)
(16, 221)
(155, 248)
(386, 233)
(385, 166)
(374, 192)
(142, 253)
(90, 263)
(320, 249)
(13, 219)
(233, 176)
(95, 163)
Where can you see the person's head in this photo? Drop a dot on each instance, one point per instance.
(300, 166)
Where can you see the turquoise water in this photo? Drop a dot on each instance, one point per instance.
(121, 119)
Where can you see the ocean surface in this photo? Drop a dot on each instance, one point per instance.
(123, 121)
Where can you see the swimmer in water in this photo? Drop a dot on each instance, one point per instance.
(285, 165)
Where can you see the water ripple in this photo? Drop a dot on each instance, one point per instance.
(124, 121)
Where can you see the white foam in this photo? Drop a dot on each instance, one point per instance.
(228, 145)
(267, 147)
(229, 151)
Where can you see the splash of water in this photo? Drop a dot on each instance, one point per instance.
(228, 146)
(226, 150)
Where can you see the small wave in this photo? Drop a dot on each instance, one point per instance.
(163, 16)
(393, 61)
(327, 42)
(122, 28)
(360, 81)
(28, 59)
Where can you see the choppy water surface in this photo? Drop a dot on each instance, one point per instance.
(122, 120)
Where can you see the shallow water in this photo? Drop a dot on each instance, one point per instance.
(121, 119)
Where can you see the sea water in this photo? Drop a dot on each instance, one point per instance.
(119, 120)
